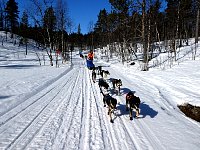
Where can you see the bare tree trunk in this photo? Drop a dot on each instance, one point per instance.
(57, 64)
(145, 58)
(177, 31)
(43, 58)
(148, 39)
(63, 20)
(196, 35)
(158, 36)
(26, 48)
(50, 47)
(123, 47)
(38, 58)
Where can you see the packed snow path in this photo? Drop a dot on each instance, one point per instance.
(68, 113)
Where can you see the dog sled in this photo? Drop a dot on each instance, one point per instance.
(90, 64)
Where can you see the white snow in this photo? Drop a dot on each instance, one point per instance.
(43, 107)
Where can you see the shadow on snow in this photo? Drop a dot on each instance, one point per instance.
(18, 66)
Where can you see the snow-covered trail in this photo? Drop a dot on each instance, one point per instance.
(160, 117)
(68, 113)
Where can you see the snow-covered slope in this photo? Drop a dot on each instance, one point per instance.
(43, 107)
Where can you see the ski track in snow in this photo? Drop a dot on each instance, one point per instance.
(32, 114)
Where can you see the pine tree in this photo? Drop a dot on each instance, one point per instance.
(79, 39)
(24, 21)
(49, 20)
(101, 27)
(12, 15)
(24, 29)
(122, 8)
(2, 15)
(49, 24)
(79, 28)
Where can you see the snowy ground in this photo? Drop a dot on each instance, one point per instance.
(44, 107)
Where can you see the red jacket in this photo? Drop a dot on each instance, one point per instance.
(91, 55)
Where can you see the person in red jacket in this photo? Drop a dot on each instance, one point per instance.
(90, 55)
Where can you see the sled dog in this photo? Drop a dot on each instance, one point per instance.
(117, 83)
(111, 103)
(93, 75)
(104, 73)
(103, 83)
(132, 103)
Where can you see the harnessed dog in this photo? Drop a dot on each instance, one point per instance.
(107, 99)
(93, 75)
(117, 83)
(103, 85)
(104, 73)
(133, 102)
(111, 103)
(99, 69)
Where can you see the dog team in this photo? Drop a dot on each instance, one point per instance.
(132, 101)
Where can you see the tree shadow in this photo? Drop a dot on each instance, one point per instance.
(4, 97)
(18, 66)
(146, 110)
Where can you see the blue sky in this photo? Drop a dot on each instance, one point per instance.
(85, 11)
(80, 11)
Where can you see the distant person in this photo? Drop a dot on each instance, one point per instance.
(90, 55)
(133, 102)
